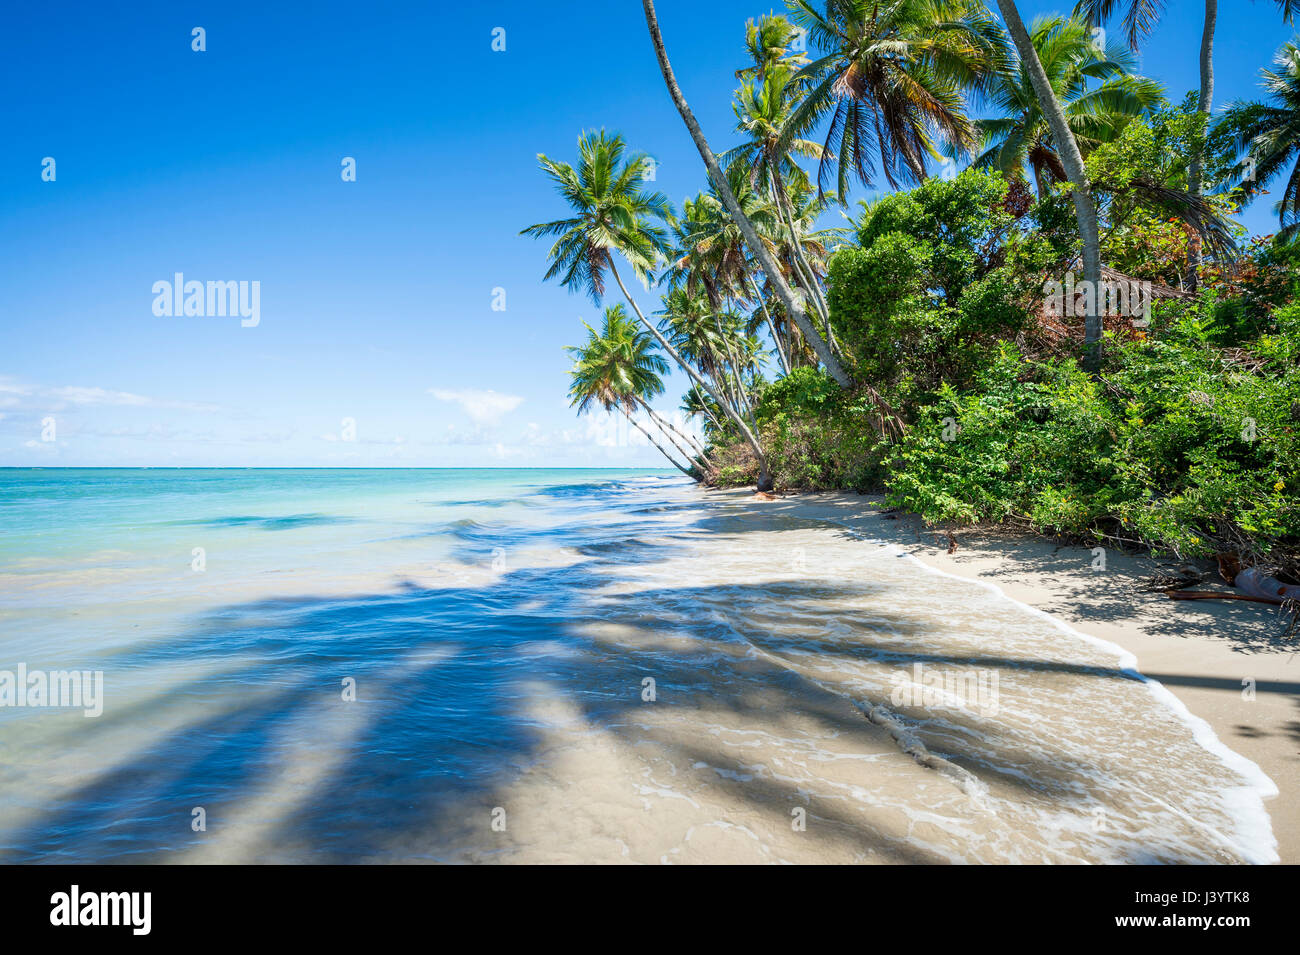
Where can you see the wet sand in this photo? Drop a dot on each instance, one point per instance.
(1202, 651)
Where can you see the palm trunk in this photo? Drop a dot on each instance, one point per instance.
(650, 438)
(764, 471)
(715, 368)
(795, 345)
(746, 227)
(742, 399)
(712, 418)
(771, 325)
(1204, 104)
(684, 452)
(1085, 213)
(686, 436)
(807, 278)
(672, 434)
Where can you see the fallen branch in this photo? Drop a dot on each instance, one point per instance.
(1207, 595)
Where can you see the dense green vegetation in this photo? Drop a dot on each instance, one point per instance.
(1071, 334)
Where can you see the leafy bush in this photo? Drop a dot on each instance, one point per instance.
(807, 390)
(817, 436)
(939, 274)
(1189, 440)
(1175, 446)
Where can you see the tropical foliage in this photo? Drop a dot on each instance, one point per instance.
(1267, 136)
(919, 351)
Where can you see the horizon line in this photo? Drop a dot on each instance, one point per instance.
(304, 467)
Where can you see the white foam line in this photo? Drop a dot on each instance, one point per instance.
(1261, 844)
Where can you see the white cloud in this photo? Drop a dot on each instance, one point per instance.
(482, 407)
(18, 394)
(98, 396)
(79, 395)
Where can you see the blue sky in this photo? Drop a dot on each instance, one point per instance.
(375, 295)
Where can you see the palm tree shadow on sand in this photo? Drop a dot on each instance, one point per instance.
(445, 721)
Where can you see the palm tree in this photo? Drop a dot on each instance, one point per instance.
(718, 344)
(1268, 134)
(760, 251)
(1085, 213)
(1020, 140)
(892, 78)
(768, 42)
(1140, 18)
(809, 246)
(763, 114)
(613, 212)
(711, 255)
(709, 250)
(696, 403)
(633, 343)
(617, 369)
(694, 328)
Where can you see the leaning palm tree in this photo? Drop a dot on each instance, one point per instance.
(763, 110)
(709, 250)
(1096, 89)
(765, 259)
(711, 255)
(696, 403)
(635, 348)
(892, 77)
(617, 369)
(810, 246)
(1085, 212)
(614, 212)
(694, 328)
(1267, 137)
(719, 344)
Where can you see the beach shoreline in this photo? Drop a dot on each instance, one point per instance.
(1200, 651)
(618, 670)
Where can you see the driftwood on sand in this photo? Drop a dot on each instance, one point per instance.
(1255, 586)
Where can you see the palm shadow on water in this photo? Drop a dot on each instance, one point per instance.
(443, 723)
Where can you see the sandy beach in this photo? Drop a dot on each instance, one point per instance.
(600, 668)
(1203, 651)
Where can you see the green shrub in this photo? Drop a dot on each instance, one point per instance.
(1175, 446)
(1188, 441)
(939, 274)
